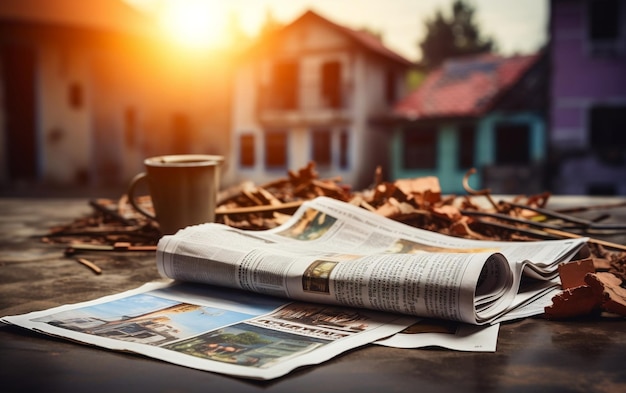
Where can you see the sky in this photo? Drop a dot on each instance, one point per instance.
(516, 26)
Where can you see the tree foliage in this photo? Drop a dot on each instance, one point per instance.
(458, 35)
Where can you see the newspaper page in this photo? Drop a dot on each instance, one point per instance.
(227, 331)
(335, 253)
(460, 336)
(453, 335)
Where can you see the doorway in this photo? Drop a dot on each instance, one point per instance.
(18, 76)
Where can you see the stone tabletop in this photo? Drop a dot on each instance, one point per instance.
(533, 354)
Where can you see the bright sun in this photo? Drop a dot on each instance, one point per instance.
(194, 23)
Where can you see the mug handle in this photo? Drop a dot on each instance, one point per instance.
(131, 195)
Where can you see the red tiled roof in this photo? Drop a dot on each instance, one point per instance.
(109, 15)
(467, 86)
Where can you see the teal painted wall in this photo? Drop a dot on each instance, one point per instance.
(448, 150)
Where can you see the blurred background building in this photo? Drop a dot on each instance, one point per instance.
(588, 97)
(91, 88)
(311, 92)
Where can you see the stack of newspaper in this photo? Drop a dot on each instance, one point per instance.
(258, 304)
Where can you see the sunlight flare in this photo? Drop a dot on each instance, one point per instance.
(196, 24)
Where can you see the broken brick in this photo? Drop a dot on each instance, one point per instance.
(606, 286)
(573, 273)
(573, 302)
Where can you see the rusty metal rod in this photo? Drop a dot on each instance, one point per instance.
(507, 218)
(587, 224)
(547, 230)
(537, 234)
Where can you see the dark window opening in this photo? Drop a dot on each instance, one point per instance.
(390, 87)
(17, 72)
(608, 126)
(181, 132)
(604, 17)
(285, 85)
(331, 84)
(467, 146)
(420, 148)
(276, 149)
(75, 97)
(512, 144)
(246, 150)
(343, 149)
(322, 150)
(607, 130)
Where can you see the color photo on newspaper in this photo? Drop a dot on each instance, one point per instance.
(217, 329)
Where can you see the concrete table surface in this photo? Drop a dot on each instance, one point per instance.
(533, 354)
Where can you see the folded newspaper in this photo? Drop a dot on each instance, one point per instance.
(258, 304)
(335, 253)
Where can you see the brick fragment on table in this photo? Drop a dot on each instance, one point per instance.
(424, 188)
(607, 287)
(573, 273)
(573, 302)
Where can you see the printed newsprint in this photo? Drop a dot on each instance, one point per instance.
(216, 329)
(332, 278)
(335, 253)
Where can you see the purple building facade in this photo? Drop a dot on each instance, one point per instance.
(588, 96)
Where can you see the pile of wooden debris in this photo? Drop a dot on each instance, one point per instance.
(111, 222)
(417, 202)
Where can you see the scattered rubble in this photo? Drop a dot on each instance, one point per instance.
(588, 286)
(601, 292)
(111, 222)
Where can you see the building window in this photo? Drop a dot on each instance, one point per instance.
(344, 145)
(246, 150)
(606, 132)
(608, 126)
(604, 17)
(420, 148)
(322, 148)
(467, 146)
(75, 96)
(512, 144)
(276, 149)
(331, 84)
(181, 134)
(285, 85)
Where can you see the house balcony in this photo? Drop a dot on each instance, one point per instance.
(306, 107)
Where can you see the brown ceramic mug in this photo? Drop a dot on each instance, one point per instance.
(183, 189)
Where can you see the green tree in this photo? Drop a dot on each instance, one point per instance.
(458, 35)
(245, 338)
